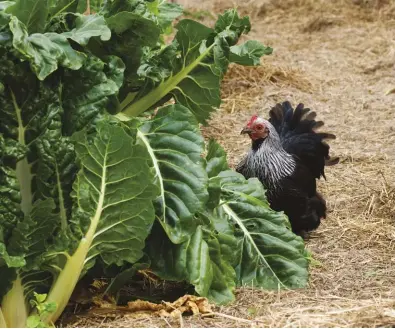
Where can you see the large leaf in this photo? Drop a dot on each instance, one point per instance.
(32, 13)
(197, 261)
(273, 256)
(113, 211)
(192, 75)
(115, 190)
(45, 52)
(175, 145)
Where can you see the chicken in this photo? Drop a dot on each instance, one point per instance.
(287, 156)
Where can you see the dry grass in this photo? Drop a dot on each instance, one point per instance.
(338, 58)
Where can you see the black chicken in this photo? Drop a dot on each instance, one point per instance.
(287, 156)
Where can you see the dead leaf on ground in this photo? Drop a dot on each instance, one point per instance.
(185, 304)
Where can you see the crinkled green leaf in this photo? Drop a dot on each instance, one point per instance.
(55, 171)
(200, 58)
(166, 13)
(175, 144)
(216, 163)
(10, 197)
(272, 256)
(197, 261)
(138, 26)
(88, 26)
(43, 222)
(45, 52)
(32, 13)
(216, 159)
(249, 53)
(231, 26)
(90, 91)
(134, 29)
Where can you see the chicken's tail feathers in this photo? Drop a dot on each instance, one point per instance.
(298, 131)
(301, 120)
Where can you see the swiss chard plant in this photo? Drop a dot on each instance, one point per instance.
(90, 174)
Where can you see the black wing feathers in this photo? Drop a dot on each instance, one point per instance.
(297, 132)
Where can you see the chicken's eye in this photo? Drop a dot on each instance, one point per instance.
(258, 127)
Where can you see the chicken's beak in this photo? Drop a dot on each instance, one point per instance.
(246, 130)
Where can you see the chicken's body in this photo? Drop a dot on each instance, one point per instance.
(287, 156)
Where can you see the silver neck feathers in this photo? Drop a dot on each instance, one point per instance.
(270, 162)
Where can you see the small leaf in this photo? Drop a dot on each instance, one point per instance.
(216, 159)
(40, 297)
(87, 27)
(45, 52)
(249, 53)
(124, 277)
(33, 321)
(137, 25)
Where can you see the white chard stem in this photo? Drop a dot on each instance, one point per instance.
(23, 168)
(13, 307)
(3, 324)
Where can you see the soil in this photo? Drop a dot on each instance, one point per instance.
(338, 58)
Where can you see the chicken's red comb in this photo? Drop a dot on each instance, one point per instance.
(253, 118)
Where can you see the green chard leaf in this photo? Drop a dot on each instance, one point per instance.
(166, 13)
(216, 159)
(87, 27)
(271, 255)
(249, 53)
(32, 13)
(175, 144)
(91, 91)
(45, 52)
(197, 261)
(57, 7)
(112, 207)
(191, 68)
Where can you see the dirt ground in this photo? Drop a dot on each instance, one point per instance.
(338, 58)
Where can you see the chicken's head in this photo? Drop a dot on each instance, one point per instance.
(257, 128)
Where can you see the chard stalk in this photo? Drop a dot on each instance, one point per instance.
(14, 308)
(23, 168)
(65, 283)
(3, 324)
(134, 109)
